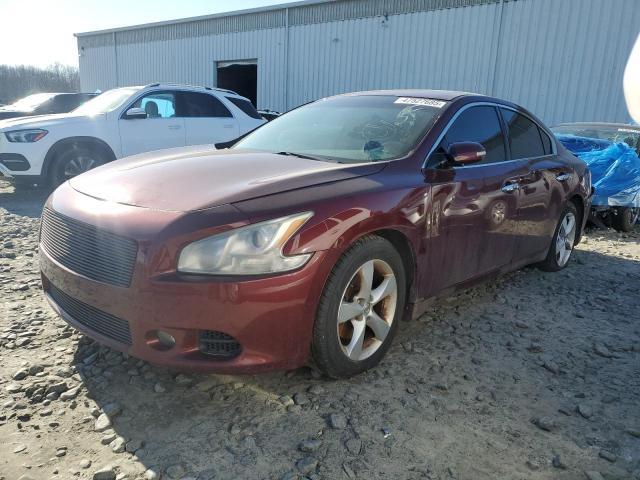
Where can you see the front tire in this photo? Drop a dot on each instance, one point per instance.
(73, 162)
(359, 309)
(564, 239)
(625, 218)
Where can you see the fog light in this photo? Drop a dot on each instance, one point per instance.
(160, 340)
(165, 339)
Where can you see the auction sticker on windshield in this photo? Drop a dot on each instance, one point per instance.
(426, 102)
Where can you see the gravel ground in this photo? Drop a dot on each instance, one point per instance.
(533, 376)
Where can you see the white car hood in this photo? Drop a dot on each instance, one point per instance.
(46, 121)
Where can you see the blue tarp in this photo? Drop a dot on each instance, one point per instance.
(615, 169)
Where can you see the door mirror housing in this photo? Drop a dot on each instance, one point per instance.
(135, 113)
(465, 153)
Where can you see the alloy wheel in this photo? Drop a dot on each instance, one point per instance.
(78, 165)
(367, 310)
(633, 214)
(566, 239)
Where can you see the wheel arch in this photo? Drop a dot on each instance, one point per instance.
(578, 202)
(75, 142)
(404, 248)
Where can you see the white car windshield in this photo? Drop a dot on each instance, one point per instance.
(349, 129)
(106, 102)
(27, 104)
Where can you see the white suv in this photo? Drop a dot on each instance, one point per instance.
(119, 123)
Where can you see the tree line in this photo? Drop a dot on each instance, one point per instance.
(17, 81)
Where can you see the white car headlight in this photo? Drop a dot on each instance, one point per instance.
(252, 250)
(25, 136)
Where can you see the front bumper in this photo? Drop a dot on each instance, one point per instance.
(22, 159)
(270, 317)
(5, 172)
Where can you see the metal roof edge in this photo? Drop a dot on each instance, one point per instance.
(269, 8)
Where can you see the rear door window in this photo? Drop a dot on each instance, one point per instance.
(479, 124)
(525, 137)
(195, 104)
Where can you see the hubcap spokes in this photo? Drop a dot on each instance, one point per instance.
(77, 166)
(367, 309)
(566, 239)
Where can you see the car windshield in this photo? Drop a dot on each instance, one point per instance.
(31, 102)
(106, 102)
(349, 129)
(613, 134)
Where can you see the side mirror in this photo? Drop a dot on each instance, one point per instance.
(466, 153)
(135, 113)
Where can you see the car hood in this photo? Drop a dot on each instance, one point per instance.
(44, 121)
(196, 178)
(10, 113)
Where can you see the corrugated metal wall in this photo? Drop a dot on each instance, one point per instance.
(414, 50)
(562, 59)
(565, 59)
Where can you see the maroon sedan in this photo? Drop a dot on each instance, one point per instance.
(311, 237)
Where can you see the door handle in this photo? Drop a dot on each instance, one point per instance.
(228, 125)
(511, 187)
(563, 177)
(175, 127)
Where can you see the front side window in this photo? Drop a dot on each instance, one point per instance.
(479, 124)
(349, 129)
(194, 104)
(158, 104)
(525, 137)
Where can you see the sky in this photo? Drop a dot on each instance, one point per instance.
(40, 32)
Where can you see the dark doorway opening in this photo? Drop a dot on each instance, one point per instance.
(241, 76)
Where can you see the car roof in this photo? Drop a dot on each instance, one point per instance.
(600, 124)
(195, 88)
(76, 93)
(446, 95)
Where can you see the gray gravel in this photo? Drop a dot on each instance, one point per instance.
(532, 376)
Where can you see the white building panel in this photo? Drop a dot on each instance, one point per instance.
(564, 60)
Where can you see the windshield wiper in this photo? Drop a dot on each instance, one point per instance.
(302, 155)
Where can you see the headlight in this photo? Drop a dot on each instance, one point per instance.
(25, 136)
(587, 180)
(252, 250)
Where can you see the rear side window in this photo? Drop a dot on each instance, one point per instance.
(478, 124)
(194, 104)
(525, 137)
(246, 106)
(66, 103)
(546, 142)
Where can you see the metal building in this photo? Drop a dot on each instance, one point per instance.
(562, 59)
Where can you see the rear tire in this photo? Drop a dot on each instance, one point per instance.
(359, 309)
(624, 218)
(72, 162)
(564, 239)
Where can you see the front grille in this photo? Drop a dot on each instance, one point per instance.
(95, 253)
(94, 319)
(218, 344)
